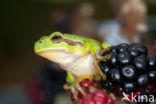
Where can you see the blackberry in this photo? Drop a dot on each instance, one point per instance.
(128, 68)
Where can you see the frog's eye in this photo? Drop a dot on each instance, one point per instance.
(56, 39)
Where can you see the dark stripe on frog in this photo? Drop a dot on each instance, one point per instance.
(73, 43)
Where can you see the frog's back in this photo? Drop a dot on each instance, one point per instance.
(91, 44)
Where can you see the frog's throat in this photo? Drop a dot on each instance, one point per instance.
(71, 61)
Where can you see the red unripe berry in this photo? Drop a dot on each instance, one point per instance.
(110, 101)
(98, 97)
(99, 100)
(86, 83)
(101, 94)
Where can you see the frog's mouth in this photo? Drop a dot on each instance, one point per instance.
(52, 54)
(59, 56)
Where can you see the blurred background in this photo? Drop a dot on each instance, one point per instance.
(26, 78)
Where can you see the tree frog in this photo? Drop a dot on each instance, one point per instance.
(77, 55)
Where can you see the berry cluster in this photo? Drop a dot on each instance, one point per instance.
(93, 94)
(128, 68)
(98, 97)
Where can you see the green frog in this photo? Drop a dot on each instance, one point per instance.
(77, 55)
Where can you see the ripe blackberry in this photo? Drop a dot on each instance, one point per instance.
(128, 68)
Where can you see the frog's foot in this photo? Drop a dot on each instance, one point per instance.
(70, 85)
(73, 85)
(80, 79)
(74, 90)
(74, 93)
(80, 89)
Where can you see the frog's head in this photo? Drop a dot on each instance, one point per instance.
(59, 47)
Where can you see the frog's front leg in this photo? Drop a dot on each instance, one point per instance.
(97, 64)
(98, 70)
(105, 47)
(73, 84)
(72, 89)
